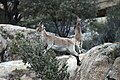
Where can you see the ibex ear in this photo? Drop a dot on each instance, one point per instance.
(78, 19)
(43, 27)
(40, 23)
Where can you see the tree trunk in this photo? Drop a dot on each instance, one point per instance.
(6, 11)
(63, 31)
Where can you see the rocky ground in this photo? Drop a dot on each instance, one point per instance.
(101, 62)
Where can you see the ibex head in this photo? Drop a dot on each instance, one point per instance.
(40, 27)
(78, 22)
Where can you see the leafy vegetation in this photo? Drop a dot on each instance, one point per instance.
(97, 26)
(10, 13)
(61, 14)
(112, 31)
(46, 66)
(108, 31)
(116, 52)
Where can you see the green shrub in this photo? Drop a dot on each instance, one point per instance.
(46, 66)
(112, 31)
(116, 52)
(97, 26)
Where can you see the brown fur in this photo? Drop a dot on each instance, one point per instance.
(78, 34)
(57, 40)
(59, 43)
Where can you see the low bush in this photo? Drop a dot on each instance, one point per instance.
(46, 66)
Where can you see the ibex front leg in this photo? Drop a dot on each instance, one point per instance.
(48, 47)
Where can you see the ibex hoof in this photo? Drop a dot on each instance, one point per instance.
(78, 63)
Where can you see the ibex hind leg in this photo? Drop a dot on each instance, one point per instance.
(80, 47)
(78, 60)
(74, 53)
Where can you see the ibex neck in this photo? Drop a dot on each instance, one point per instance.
(78, 32)
(78, 28)
(44, 32)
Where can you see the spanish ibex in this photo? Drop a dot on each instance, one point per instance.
(58, 43)
(78, 34)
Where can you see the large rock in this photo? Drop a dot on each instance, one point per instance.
(3, 46)
(3, 43)
(8, 33)
(114, 72)
(7, 67)
(11, 31)
(100, 63)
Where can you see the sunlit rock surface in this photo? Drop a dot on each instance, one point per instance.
(100, 63)
(7, 67)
